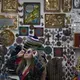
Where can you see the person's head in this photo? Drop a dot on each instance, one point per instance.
(31, 45)
(28, 54)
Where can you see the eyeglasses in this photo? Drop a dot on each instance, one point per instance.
(27, 51)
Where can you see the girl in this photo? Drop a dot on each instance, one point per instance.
(32, 65)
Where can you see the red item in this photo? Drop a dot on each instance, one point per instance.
(18, 61)
(25, 73)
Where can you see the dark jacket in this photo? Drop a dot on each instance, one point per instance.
(35, 73)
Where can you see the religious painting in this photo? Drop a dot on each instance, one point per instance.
(8, 21)
(58, 52)
(66, 5)
(76, 4)
(23, 31)
(8, 37)
(38, 32)
(52, 5)
(9, 5)
(77, 40)
(31, 13)
(54, 20)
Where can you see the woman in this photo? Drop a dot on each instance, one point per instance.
(32, 65)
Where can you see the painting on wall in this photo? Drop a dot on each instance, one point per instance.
(66, 5)
(52, 5)
(58, 52)
(9, 5)
(8, 21)
(23, 31)
(38, 32)
(31, 13)
(77, 40)
(76, 4)
(54, 20)
(8, 37)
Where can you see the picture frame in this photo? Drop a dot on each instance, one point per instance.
(52, 5)
(23, 31)
(31, 13)
(9, 21)
(66, 5)
(58, 51)
(9, 6)
(38, 32)
(76, 4)
(76, 40)
(54, 20)
(8, 37)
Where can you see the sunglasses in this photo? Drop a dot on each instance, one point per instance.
(27, 51)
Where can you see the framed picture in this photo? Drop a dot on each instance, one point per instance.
(38, 32)
(58, 52)
(76, 4)
(54, 20)
(31, 13)
(23, 31)
(9, 5)
(66, 5)
(52, 5)
(77, 40)
(9, 21)
(8, 37)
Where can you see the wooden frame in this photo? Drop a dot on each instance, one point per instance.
(9, 5)
(54, 20)
(76, 4)
(31, 13)
(51, 5)
(76, 40)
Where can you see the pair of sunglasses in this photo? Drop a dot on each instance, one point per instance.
(28, 51)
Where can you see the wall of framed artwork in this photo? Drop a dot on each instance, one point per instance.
(52, 5)
(31, 13)
(9, 5)
(54, 20)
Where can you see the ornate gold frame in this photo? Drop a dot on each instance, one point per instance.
(8, 37)
(54, 20)
(52, 5)
(15, 22)
(9, 6)
(66, 5)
